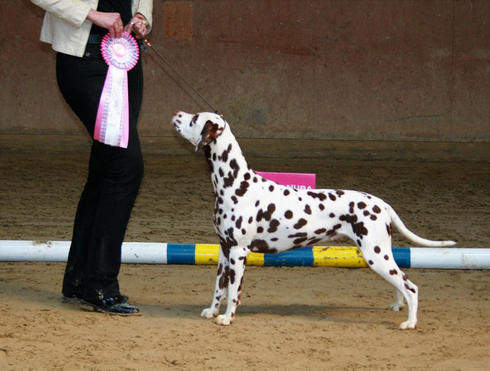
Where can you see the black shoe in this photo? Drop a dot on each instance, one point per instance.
(116, 305)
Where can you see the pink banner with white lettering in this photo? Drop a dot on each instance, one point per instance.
(292, 180)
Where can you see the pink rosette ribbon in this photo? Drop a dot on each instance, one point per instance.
(112, 122)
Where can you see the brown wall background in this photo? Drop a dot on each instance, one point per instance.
(363, 70)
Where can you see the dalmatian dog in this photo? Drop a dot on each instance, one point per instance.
(255, 214)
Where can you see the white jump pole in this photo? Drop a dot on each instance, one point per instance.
(163, 253)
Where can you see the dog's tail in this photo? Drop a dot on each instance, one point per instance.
(397, 222)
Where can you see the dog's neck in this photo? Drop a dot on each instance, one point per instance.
(226, 162)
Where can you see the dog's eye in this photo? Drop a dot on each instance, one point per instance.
(194, 119)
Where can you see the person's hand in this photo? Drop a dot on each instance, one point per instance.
(111, 21)
(139, 24)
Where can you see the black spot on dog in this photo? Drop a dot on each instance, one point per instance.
(389, 229)
(377, 249)
(409, 288)
(320, 231)
(321, 207)
(270, 210)
(234, 199)
(288, 214)
(261, 246)
(373, 217)
(238, 223)
(250, 220)
(260, 229)
(257, 203)
(393, 272)
(361, 205)
(332, 215)
(229, 180)
(300, 224)
(224, 155)
(357, 228)
(376, 209)
(339, 193)
(286, 192)
(308, 209)
(351, 207)
(243, 189)
(221, 173)
(271, 188)
(320, 196)
(247, 176)
(273, 226)
(332, 197)
(299, 234)
(224, 279)
(299, 241)
(207, 154)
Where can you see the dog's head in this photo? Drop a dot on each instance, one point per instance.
(199, 129)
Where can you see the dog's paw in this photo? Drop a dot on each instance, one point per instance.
(396, 306)
(408, 325)
(223, 320)
(209, 313)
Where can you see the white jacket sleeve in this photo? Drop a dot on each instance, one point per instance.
(73, 12)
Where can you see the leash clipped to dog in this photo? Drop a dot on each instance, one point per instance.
(147, 43)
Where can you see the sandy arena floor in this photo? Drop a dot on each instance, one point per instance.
(290, 319)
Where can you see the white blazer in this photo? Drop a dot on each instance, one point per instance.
(66, 27)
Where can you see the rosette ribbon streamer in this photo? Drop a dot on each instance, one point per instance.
(112, 122)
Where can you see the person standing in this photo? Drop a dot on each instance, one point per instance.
(75, 29)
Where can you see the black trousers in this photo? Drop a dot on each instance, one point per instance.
(114, 178)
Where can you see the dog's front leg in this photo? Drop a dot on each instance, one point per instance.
(220, 287)
(238, 259)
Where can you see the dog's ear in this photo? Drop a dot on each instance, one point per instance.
(209, 132)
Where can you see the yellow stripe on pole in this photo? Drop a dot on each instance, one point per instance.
(338, 256)
(207, 254)
(255, 258)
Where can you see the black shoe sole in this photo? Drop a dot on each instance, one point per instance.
(68, 300)
(89, 307)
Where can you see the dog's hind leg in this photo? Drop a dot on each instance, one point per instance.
(238, 259)
(380, 259)
(398, 304)
(220, 288)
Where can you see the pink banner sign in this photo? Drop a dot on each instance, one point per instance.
(292, 180)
